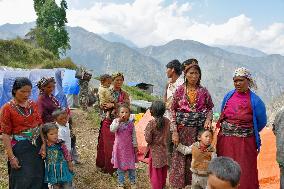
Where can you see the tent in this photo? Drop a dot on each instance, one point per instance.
(140, 128)
(8, 76)
(71, 87)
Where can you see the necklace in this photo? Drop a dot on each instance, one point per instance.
(191, 95)
(21, 110)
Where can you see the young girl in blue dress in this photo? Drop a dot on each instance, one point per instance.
(58, 162)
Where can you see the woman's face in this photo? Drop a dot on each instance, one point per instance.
(192, 76)
(117, 82)
(49, 88)
(241, 83)
(23, 94)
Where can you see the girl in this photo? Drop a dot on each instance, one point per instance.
(125, 146)
(58, 163)
(157, 134)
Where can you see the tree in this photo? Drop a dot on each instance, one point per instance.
(50, 32)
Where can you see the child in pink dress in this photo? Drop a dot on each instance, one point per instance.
(125, 146)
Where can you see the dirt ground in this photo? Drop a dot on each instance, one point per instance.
(88, 177)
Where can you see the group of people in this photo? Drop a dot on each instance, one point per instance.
(38, 138)
(180, 135)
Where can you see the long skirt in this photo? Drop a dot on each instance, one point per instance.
(31, 173)
(104, 148)
(180, 174)
(158, 176)
(243, 150)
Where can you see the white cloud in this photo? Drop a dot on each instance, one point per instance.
(148, 22)
(16, 11)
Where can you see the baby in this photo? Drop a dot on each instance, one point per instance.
(105, 94)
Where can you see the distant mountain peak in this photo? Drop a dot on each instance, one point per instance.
(242, 50)
(113, 37)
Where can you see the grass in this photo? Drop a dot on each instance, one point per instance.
(19, 54)
(138, 94)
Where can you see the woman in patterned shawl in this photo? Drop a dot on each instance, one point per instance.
(191, 110)
(243, 116)
(106, 138)
(47, 103)
(20, 124)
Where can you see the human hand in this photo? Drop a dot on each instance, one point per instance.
(108, 105)
(70, 166)
(175, 138)
(14, 162)
(208, 124)
(42, 151)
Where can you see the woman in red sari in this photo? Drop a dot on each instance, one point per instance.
(106, 138)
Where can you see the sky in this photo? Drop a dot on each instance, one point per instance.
(251, 23)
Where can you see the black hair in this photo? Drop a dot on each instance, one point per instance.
(47, 127)
(225, 169)
(176, 65)
(197, 67)
(157, 110)
(202, 130)
(104, 77)
(19, 83)
(188, 62)
(58, 112)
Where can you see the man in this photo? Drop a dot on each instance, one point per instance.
(174, 71)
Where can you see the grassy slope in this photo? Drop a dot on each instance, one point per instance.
(19, 54)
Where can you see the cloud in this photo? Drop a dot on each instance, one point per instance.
(16, 11)
(148, 22)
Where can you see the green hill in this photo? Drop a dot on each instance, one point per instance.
(20, 54)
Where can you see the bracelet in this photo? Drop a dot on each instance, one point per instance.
(12, 158)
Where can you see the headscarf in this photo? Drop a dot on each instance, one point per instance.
(117, 74)
(244, 72)
(44, 81)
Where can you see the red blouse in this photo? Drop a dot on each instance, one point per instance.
(15, 119)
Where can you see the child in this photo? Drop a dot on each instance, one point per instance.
(278, 130)
(105, 94)
(224, 173)
(58, 164)
(157, 134)
(64, 134)
(202, 153)
(125, 146)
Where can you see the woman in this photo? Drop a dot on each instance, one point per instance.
(20, 122)
(47, 102)
(191, 110)
(243, 117)
(106, 138)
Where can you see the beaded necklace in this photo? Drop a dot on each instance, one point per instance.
(21, 110)
(191, 97)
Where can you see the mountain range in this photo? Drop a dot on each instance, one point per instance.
(148, 64)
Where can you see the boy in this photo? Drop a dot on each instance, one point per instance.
(224, 173)
(278, 130)
(105, 93)
(202, 153)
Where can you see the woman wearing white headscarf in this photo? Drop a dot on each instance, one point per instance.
(243, 116)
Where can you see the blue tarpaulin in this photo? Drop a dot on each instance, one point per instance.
(8, 76)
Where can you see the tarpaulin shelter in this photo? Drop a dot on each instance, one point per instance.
(71, 87)
(8, 76)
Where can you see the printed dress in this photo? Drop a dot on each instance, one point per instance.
(123, 155)
(56, 167)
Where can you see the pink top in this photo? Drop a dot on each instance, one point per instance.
(238, 110)
(180, 103)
